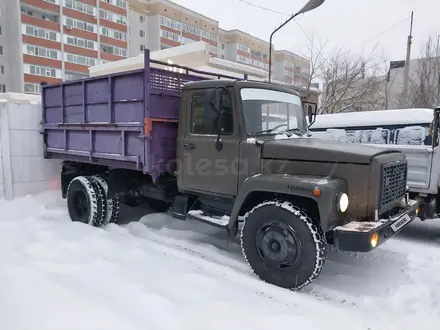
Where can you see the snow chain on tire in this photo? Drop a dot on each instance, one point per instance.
(97, 206)
(113, 206)
(314, 229)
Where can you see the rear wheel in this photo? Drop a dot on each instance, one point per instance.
(112, 209)
(283, 245)
(86, 201)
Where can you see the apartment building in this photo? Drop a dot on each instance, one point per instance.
(291, 68)
(241, 47)
(55, 40)
(161, 24)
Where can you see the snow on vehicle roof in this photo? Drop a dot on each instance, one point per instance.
(374, 118)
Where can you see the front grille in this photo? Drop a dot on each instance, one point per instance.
(393, 186)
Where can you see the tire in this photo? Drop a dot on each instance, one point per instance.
(113, 208)
(306, 249)
(86, 201)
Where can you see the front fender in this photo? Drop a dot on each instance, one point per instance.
(295, 185)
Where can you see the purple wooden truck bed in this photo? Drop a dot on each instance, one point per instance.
(122, 120)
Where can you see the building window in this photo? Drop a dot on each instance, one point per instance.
(42, 71)
(79, 59)
(223, 46)
(142, 33)
(112, 17)
(170, 35)
(40, 33)
(41, 52)
(114, 50)
(80, 24)
(32, 88)
(243, 48)
(121, 3)
(2, 69)
(142, 47)
(209, 35)
(242, 59)
(1, 32)
(170, 23)
(1, 50)
(190, 29)
(2, 88)
(79, 6)
(117, 3)
(204, 120)
(142, 18)
(106, 32)
(79, 42)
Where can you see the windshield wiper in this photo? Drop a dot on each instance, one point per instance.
(297, 131)
(272, 130)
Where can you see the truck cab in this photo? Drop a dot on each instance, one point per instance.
(233, 168)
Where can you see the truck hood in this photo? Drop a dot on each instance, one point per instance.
(318, 150)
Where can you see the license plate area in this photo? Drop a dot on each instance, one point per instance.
(401, 222)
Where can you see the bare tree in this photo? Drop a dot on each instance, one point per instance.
(351, 82)
(425, 79)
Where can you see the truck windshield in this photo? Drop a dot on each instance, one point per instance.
(272, 112)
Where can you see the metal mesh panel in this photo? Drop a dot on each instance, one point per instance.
(393, 182)
(170, 81)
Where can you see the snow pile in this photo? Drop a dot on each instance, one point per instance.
(377, 136)
(413, 135)
(374, 118)
(161, 273)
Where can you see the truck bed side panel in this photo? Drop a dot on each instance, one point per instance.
(97, 120)
(125, 120)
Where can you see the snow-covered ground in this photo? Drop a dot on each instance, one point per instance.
(160, 273)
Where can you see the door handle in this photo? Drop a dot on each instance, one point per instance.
(189, 145)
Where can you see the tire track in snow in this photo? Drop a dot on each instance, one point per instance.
(219, 264)
(183, 250)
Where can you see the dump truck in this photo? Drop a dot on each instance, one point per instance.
(203, 147)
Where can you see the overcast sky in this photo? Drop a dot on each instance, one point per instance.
(346, 23)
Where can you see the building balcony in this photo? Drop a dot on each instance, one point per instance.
(42, 5)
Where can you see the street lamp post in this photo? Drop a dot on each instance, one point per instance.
(312, 4)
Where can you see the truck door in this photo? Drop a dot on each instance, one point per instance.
(206, 166)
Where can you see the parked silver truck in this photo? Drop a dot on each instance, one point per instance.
(415, 132)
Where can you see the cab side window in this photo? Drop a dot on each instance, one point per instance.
(205, 119)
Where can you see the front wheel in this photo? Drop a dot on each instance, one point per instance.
(282, 245)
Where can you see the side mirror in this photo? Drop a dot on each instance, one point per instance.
(217, 104)
(310, 108)
(216, 98)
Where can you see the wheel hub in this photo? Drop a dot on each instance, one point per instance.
(279, 245)
(276, 247)
(81, 204)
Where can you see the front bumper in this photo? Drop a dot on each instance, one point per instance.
(357, 236)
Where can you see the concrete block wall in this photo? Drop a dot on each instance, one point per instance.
(23, 170)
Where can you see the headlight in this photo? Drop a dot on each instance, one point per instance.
(342, 202)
